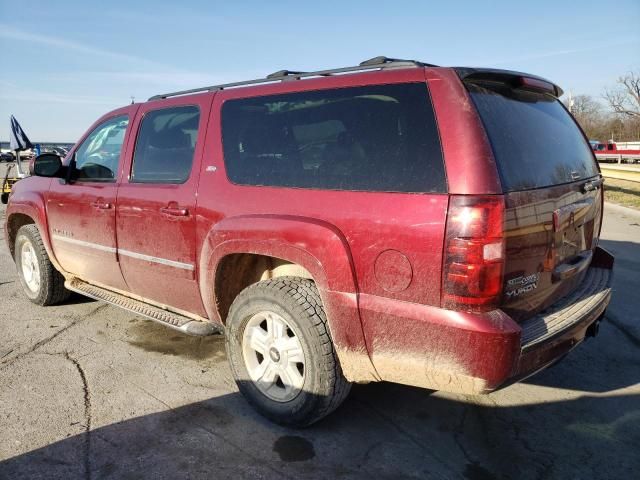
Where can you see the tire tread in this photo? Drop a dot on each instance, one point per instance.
(305, 293)
(52, 286)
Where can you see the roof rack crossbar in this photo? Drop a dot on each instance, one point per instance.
(382, 60)
(376, 63)
(284, 73)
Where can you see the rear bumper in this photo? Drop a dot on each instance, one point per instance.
(551, 334)
(477, 353)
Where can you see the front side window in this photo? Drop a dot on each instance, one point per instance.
(98, 157)
(165, 145)
(379, 138)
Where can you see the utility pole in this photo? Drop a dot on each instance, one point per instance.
(19, 165)
(570, 102)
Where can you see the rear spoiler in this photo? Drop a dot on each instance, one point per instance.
(521, 80)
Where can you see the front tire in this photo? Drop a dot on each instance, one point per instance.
(41, 282)
(281, 353)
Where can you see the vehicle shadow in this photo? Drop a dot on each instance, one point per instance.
(77, 299)
(586, 369)
(382, 431)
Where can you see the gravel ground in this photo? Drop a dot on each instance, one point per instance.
(91, 391)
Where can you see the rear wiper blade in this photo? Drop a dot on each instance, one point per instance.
(592, 185)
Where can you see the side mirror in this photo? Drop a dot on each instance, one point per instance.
(46, 165)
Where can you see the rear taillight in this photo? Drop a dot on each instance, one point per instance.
(474, 253)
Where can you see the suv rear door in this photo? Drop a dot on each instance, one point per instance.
(552, 190)
(156, 226)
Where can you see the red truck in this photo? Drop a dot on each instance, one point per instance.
(392, 221)
(611, 147)
(609, 152)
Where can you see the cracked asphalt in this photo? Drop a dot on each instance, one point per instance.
(90, 391)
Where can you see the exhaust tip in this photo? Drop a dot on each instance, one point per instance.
(593, 329)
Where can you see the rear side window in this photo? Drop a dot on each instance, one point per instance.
(375, 138)
(165, 145)
(535, 141)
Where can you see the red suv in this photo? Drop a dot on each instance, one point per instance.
(392, 221)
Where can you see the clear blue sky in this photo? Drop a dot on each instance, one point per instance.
(65, 63)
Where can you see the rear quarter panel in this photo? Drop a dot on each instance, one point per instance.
(382, 244)
(471, 167)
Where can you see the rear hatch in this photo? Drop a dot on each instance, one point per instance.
(552, 187)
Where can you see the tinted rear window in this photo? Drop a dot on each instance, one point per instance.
(535, 141)
(374, 138)
(165, 145)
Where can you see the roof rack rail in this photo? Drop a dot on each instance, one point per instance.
(283, 73)
(386, 60)
(375, 63)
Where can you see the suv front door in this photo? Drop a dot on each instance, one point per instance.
(156, 225)
(81, 211)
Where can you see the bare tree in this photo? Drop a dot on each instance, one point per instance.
(625, 99)
(585, 106)
(589, 114)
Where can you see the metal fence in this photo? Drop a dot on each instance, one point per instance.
(619, 158)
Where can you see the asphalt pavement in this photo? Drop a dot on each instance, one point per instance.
(90, 391)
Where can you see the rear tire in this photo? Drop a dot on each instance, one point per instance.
(281, 353)
(40, 280)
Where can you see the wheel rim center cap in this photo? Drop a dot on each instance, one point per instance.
(274, 354)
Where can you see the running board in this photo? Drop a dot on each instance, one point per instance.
(165, 317)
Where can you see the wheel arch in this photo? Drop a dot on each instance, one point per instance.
(14, 223)
(236, 271)
(29, 209)
(240, 251)
(319, 249)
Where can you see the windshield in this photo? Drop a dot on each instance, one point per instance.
(535, 141)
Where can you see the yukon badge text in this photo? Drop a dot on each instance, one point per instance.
(522, 284)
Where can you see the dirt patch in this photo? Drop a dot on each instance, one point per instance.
(441, 373)
(356, 365)
(152, 337)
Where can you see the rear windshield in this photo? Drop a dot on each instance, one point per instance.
(377, 138)
(535, 141)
